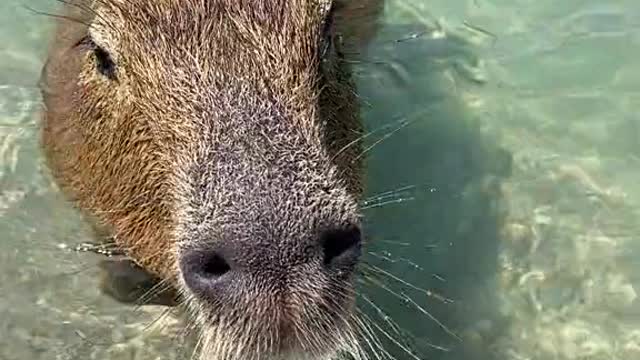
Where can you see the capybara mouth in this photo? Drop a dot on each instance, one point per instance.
(246, 318)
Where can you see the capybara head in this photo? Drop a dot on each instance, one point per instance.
(218, 142)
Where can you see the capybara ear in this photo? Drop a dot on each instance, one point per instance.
(357, 21)
(125, 282)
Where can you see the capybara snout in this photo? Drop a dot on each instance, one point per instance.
(211, 270)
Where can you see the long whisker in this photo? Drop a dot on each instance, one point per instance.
(385, 137)
(370, 337)
(55, 16)
(394, 340)
(388, 202)
(407, 299)
(399, 120)
(157, 289)
(157, 319)
(422, 310)
(388, 193)
(426, 292)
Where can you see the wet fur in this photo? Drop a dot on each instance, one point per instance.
(223, 122)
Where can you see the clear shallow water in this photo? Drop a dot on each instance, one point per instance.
(529, 258)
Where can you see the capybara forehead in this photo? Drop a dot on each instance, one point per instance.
(186, 23)
(203, 50)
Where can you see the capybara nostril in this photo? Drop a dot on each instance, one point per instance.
(203, 270)
(341, 247)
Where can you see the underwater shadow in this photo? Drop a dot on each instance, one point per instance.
(433, 208)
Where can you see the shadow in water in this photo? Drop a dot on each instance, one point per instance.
(433, 210)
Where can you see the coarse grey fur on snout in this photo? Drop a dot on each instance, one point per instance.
(217, 143)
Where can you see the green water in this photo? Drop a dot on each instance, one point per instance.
(505, 198)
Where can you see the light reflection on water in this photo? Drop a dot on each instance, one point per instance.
(472, 256)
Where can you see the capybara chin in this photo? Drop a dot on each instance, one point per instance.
(217, 143)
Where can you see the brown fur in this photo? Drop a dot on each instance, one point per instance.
(223, 123)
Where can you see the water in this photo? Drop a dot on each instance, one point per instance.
(506, 198)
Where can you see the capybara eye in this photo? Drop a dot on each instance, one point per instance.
(104, 63)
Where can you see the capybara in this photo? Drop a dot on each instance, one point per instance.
(217, 143)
